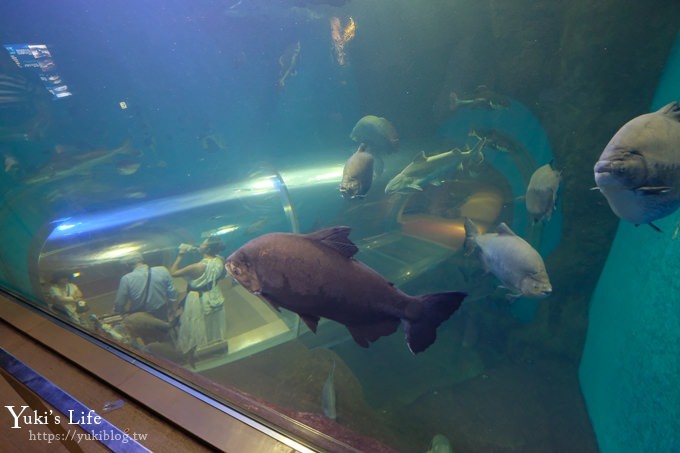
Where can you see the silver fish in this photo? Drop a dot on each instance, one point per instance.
(427, 170)
(483, 98)
(84, 167)
(639, 169)
(357, 175)
(314, 275)
(511, 259)
(497, 140)
(328, 396)
(440, 444)
(542, 192)
(288, 62)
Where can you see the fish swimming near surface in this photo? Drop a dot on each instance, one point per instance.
(511, 259)
(127, 167)
(81, 166)
(11, 164)
(315, 275)
(288, 62)
(377, 133)
(328, 396)
(440, 444)
(357, 175)
(426, 170)
(483, 98)
(212, 142)
(541, 195)
(639, 169)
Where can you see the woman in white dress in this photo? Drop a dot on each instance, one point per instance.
(202, 320)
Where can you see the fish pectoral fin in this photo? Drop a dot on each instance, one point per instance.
(311, 321)
(653, 190)
(366, 334)
(511, 297)
(415, 187)
(655, 228)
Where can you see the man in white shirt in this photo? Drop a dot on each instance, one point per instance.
(146, 296)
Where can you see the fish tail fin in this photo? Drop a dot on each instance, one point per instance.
(454, 102)
(127, 148)
(438, 307)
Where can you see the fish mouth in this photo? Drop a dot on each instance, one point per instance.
(233, 270)
(605, 167)
(615, 167)
(244, 278)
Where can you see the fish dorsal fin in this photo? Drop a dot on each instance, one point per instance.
(420, 157)
(672, 110)
(503, 228)
(337, 239)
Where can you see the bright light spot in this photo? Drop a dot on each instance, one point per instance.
(313, 176)
(330, 176)
(67, 226)
(262, 184)
(118, 251)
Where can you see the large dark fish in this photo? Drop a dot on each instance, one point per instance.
(639, 169)
(314, 275)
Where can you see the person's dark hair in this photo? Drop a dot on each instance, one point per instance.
(214, 245)
(61, 274)
(131, 260)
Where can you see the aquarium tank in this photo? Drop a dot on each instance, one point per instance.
(364, 225)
